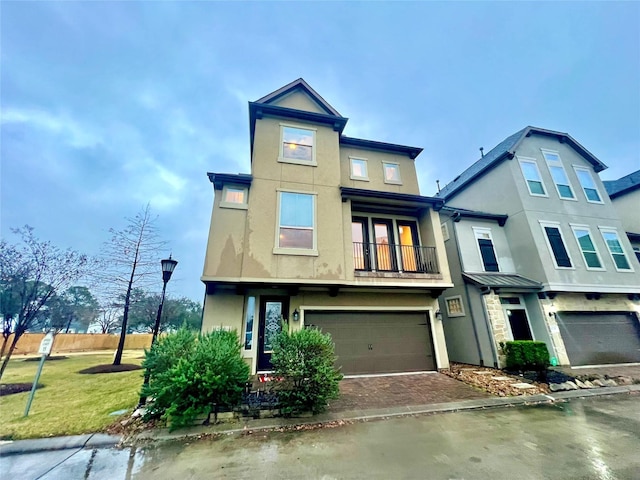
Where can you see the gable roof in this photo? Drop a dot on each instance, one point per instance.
(507, 150)
(623, 185)
(265, 106)
(297, 85)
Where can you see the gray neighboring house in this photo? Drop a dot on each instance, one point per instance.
(625, 196)
(538, 251)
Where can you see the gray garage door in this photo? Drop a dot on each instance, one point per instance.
(597, 338)
(377, 342)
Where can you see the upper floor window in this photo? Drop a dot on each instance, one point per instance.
(358, 169)
(391, 172)
(298, 145)
(556, 244)
(234, 197)
(614, 245)
(487, 252)
(559, 175)
(636, 250)
(587, 247)
(588, 184)
(532, 176)
(296, 222)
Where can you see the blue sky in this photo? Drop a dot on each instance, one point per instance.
(106, 106)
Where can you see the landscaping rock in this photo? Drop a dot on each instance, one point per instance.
(571, 386)
(501, 379)
(609, 383)
(588, 384)
(598, 383)
(522, 385)
(556, 387)
(622, 380)
(580, 384)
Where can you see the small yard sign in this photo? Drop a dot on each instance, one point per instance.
(46, 344)
(45, 349)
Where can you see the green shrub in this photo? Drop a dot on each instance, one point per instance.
(303, 360)
(526, 355)
(195, 375)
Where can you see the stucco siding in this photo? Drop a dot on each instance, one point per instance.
(628, 208)
(299, 101)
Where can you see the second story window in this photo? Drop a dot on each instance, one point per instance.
(588, 248)
(358, 169)
(487, 252)
(588, 185)
(234, 197)
(298, 145)
(559, 175)
(296, 228)
(532, 176)
(391, 173)
(556, 245)
(614, 245)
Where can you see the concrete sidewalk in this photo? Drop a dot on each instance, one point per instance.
(251, 425)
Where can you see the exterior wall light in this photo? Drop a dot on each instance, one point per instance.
(296, 315)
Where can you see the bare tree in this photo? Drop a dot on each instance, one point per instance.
(107, 319)
(30, 275)
(130, 258)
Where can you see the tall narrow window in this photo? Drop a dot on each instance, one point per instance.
(556, 243)
(559, 175)
(487, 252)
(587, 247)
(588, 185)
(614, 245)
(297, 212)
(248, 323)
(297, 145)
(532, 176)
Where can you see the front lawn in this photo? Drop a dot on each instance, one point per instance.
(69, 403)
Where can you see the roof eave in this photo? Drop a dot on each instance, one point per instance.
(411, 152)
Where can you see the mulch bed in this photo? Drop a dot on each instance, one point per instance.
(123, 367)
(52, 357)
(11, 388)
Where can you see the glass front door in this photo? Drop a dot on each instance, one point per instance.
(273, 312)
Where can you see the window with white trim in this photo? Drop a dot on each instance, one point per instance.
(391, 173)
(248, 323)
(636, 250)
(587, 247)
(358, 168)
(296, 221)
(455, 308)
(588, 184)
(558, 174)
(234, 197)
(487, 252)
(618, 255)
(298, 145)
(532, 176)
(556, 244)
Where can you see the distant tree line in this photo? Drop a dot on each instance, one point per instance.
(44, 288)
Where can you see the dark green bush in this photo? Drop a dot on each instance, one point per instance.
(303, 360)
(194, 375)
(523, 355)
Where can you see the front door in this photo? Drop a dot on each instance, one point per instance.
(273, 311)
(519, 325)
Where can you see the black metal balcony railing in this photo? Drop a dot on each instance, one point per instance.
(394, 258)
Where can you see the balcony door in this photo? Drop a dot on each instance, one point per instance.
(409, 246)
(384, 245)
(361, 247)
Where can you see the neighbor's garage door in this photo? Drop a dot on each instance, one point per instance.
(597, 338)
(377, 342)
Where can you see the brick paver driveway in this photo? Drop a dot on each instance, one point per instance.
(401, 390)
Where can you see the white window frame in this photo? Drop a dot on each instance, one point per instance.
(364, 178)
(254, 323)
(548, 223)
(480, 231)
(281, 157)
(574, 228)
(278, 250)
(522, 160)
(558, 164)
(578, 168)
(614, 230)
(239, 206)
(392, 182)
(445, 231)
(457, 314)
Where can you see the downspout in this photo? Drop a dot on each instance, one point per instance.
(466, 291)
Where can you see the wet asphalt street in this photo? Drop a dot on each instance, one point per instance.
(595, 438)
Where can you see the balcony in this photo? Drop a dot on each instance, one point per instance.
(369, 257)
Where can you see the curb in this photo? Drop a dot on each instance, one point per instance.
(101, 440)
(76, 442)
(253, 426)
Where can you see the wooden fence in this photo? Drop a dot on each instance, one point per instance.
(80, 342)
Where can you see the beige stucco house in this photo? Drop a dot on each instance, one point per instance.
(625, 196)
(538, 252)
(329, 232)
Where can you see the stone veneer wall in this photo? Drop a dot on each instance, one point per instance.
(497, 321)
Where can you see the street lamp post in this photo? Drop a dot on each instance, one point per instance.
(168, 266)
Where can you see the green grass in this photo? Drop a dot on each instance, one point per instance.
(69, 403)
